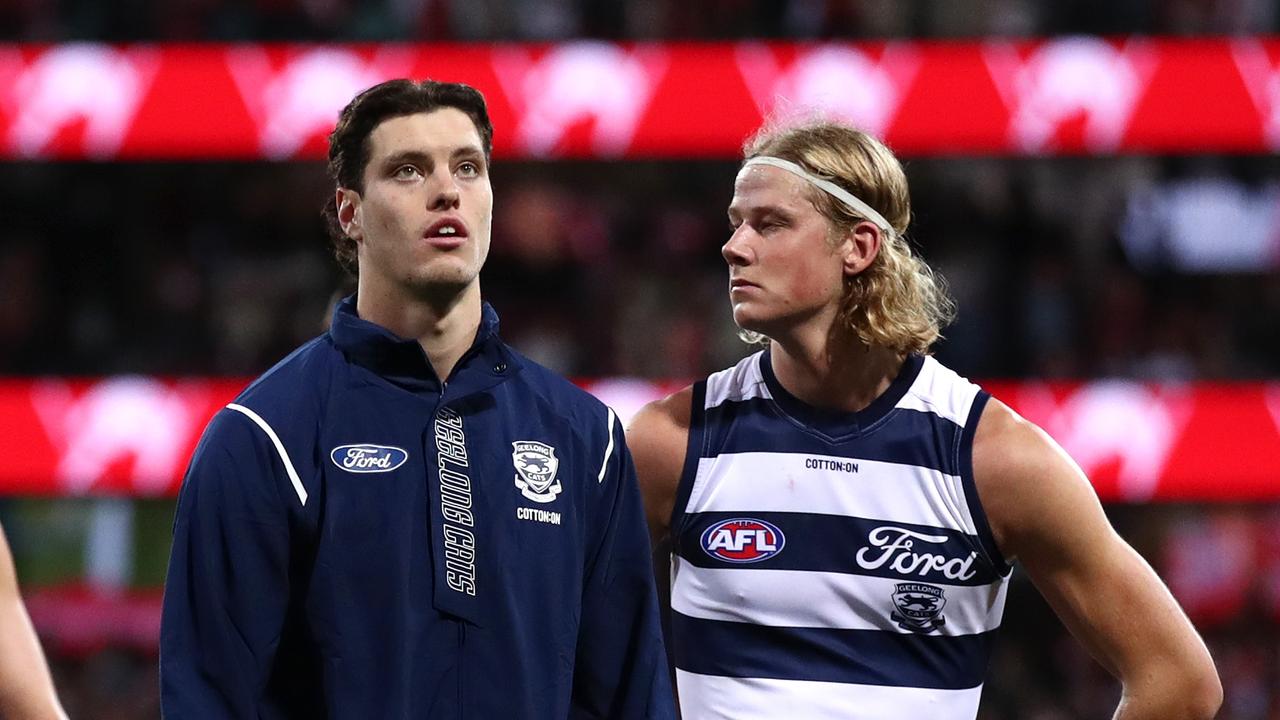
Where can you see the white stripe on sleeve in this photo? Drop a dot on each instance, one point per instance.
(608, 451)
(284, 456)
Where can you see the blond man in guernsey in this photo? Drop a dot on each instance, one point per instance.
(843, 510)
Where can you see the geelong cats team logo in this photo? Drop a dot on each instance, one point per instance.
(742, 540)
(919, 607)
(536, 466)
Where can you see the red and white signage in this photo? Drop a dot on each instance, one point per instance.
(1137, 442)
(861, 85)
(126, 435)
(1072, 95)
(75, 99)
(293, 96)
(1259, 65)
(584, 98)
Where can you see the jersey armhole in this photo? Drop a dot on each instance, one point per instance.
(980, 522)
(692, 454)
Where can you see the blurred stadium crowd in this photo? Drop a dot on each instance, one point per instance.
(1143, 267)
(466, 20)
(1135, 267)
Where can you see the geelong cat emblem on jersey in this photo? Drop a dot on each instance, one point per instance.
(919, 607)
(536, 466)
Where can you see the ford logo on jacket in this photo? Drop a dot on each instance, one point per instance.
(368, 458)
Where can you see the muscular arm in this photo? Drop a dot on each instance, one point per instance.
(1043, 512)
(26, 690)
(658, 437)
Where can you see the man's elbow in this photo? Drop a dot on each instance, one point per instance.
(1172, 691)
(1204, 694)
(1192, 693)
(1201, 685)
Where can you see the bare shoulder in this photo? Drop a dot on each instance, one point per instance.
(1028, 485)
(662, 427)
(1007, 446)
(658, 437)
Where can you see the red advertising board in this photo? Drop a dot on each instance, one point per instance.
(1071, 95)
(1137, 442)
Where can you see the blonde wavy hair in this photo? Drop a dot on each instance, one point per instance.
(898, 302)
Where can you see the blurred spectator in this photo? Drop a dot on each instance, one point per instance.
(614, 268)
(311, 20)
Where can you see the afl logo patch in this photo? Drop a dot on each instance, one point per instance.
(368, 458)
(742, 540)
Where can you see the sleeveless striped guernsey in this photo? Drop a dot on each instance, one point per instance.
(828, 564)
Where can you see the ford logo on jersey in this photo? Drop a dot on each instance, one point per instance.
(368, 458)
(742, 540)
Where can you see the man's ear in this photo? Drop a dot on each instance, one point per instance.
(861, 246)
(349, 214)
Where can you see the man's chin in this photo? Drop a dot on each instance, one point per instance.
(440, 284)
(750, 322)
(762, 326)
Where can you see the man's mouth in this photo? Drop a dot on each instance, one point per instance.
(446, 228)
(446, 234)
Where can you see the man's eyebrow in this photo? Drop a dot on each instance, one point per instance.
(470, 152)
(418, 157)
(407, 156)
(763, 211)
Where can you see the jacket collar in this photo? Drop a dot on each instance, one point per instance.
(403, 361)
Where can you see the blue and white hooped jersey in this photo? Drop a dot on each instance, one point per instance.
(833, 565)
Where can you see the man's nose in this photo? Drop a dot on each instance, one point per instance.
(444, 191)
(736, 251)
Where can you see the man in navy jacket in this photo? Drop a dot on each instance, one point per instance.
(405, 518)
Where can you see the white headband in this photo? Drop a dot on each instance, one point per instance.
(826, 186)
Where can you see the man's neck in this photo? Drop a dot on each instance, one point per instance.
(444, 326)
(833, 369)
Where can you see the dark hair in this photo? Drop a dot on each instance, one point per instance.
(349, 141)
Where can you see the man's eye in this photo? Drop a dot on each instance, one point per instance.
(405, 172)
(468, 169)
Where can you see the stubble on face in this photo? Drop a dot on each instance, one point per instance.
(424, 168)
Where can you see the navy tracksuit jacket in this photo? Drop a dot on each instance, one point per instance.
(355, 539)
